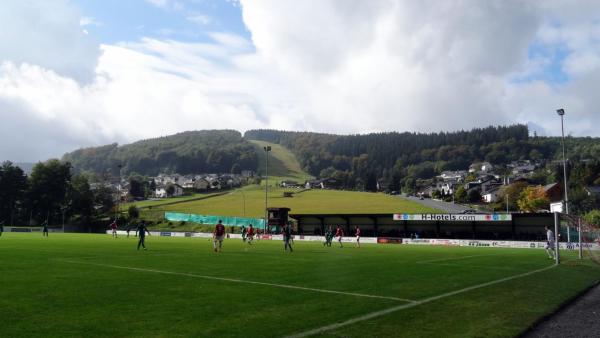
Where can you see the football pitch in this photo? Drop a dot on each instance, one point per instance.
(84, 285)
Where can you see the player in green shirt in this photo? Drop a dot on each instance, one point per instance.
(45, 228)
(287, 237)
(328, 236)
(141, 233)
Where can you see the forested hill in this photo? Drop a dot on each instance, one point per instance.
(395, 157)
(341, 152)
(206, 151)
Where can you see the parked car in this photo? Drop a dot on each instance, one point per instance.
(469, 211)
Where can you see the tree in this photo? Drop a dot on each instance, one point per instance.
(170, 190)
(48, 184)
(80, 198)
(410, 185)
(327, 172)
(533, 198)
(236, 169)
(13, 184)
(104, 199)
(511, 192)
(460, 195)
(371, 183)
(133, 212)
(394, 184)
(136, 188)
(474, 196)
(593, 217)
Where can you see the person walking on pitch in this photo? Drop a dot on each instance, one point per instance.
(339, 233)
(358, 236)
(45, 228)
(328, 236)
(287, 237)
(141, 233)
(243, 233)
(550, 244)
(250, 234)
(113, 227)
(218, 236)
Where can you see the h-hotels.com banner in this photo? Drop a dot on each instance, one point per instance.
(454, 217)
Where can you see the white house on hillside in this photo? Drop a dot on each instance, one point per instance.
(491, 196)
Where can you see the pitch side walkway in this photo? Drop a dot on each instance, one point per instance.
(579, 319)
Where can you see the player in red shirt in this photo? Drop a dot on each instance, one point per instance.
(218, 236)
(250, 234)
(358, 236)
(339, 233)
(113, 226)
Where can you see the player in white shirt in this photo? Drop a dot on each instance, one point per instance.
(550, 243)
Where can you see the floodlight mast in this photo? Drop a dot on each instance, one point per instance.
(119, 166)
(267, 149)
(561, 113)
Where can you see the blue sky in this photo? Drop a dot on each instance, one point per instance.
(114, 21)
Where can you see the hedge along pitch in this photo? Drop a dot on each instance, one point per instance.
(211, 219)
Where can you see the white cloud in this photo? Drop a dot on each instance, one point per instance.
(167, 4)
(89, 21)
(429, 65)
(200, 19)
(334, 66)
(48, 34)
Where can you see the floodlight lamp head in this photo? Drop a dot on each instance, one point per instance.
(560, 112)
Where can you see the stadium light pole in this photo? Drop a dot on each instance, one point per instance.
(561, 113)
(267, 150)
(118, 193)
(556, 238)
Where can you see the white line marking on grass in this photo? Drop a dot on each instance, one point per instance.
(410, 305)
(233, 280)
(475, 266)
(458, 258)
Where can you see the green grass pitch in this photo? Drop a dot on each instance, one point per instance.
(81, 285)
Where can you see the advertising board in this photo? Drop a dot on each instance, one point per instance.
(389, 240)
(454, 217)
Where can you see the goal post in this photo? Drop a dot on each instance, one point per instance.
(578, 234)
(557, 222)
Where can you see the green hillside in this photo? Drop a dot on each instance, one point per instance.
(283, 165)
(250, 202)
(191, 152)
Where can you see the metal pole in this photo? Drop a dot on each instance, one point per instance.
(267, 149)
(562, 128)
(579, 231)
(556, 244)
(118, 193)
(564, 165)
